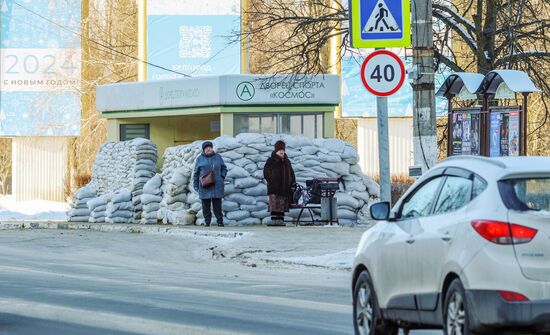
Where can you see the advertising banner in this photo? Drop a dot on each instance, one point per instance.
(40, 68)
(504, 135)
(466, 134)
(513, 124)
(457, 133)
(494, 134)
(192, 37)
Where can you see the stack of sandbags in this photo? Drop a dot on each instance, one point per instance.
(179, 204)
(124, 165)
(150, 199)
(120, 209)
(98, 208)
(246, 198)
(80, 211)
(144, 169)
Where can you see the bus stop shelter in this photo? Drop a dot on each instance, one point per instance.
(180, 111)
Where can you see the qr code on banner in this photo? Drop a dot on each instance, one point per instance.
(195, 41)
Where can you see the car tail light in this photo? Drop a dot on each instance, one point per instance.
(512, 296)
(503, 233)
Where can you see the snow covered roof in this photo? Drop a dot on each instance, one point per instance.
(516, 81)
(454, 84)
(224, 90)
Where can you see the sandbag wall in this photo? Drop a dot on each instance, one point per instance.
(246, 198)
(119, 174)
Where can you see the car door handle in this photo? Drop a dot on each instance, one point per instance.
(446, 238)
(410, 241)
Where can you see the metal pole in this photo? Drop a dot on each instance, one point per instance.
(449, 126)
(142, 39)
(383, 148)
(525, 128)
(487, 122)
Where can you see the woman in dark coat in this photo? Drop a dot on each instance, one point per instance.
(280, 179)
(212, 195)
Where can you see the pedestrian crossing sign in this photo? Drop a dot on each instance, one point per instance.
(380, 23)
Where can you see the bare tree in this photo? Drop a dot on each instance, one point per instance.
(109, 55)
(5, 165)
(292, 36)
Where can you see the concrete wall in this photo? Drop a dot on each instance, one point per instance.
(40, 168)
(401, 145)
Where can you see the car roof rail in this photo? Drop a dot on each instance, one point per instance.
(477, 158)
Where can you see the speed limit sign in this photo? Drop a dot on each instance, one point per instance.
(383, 73)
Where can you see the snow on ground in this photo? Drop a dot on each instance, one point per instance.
(32, 209)
(337, 260)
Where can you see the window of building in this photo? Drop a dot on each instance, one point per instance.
(309, 125)
(131, 131)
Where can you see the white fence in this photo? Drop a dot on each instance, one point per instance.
(401, 145)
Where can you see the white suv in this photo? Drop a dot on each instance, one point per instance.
(466, 249)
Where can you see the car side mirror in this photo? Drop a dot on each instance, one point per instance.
(380, 211)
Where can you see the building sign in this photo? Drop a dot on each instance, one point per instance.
(40, 68)
(191, 37)
(227, 90)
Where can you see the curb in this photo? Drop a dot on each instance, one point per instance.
(119, 228)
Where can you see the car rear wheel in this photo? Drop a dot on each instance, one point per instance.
(455, 312)
(367, 318)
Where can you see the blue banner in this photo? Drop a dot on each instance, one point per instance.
(494, 135)
(40, 68)
(193, 41)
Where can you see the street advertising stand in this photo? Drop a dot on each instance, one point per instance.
(506, 126)
(465, 115)
(495, 127)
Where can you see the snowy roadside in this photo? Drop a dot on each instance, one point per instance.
(291, 248)
(32, 210)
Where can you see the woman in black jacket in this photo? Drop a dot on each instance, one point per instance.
(280, 179)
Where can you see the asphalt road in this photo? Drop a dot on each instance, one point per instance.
(70, 282)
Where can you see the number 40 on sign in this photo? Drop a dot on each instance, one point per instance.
(383, 73)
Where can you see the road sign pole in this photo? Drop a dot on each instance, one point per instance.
(381, 24)
(383, 73)
(383, 148)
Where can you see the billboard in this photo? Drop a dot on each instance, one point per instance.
(358, 102)
(191, 37)
(40, 68)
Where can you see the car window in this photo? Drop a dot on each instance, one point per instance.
(479, 186)
(421, 202)
(526, 194)
(455, 193)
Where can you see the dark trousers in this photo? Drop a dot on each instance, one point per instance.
(277, 216)
(206, 210)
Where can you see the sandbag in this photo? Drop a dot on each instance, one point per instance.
(258, 190)
(238, 215)
(229, 206)
(149, 198)
(83, 218)
(152, 207)
(241, 199)
(344, 199)
(122, 196)
(246, 182)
